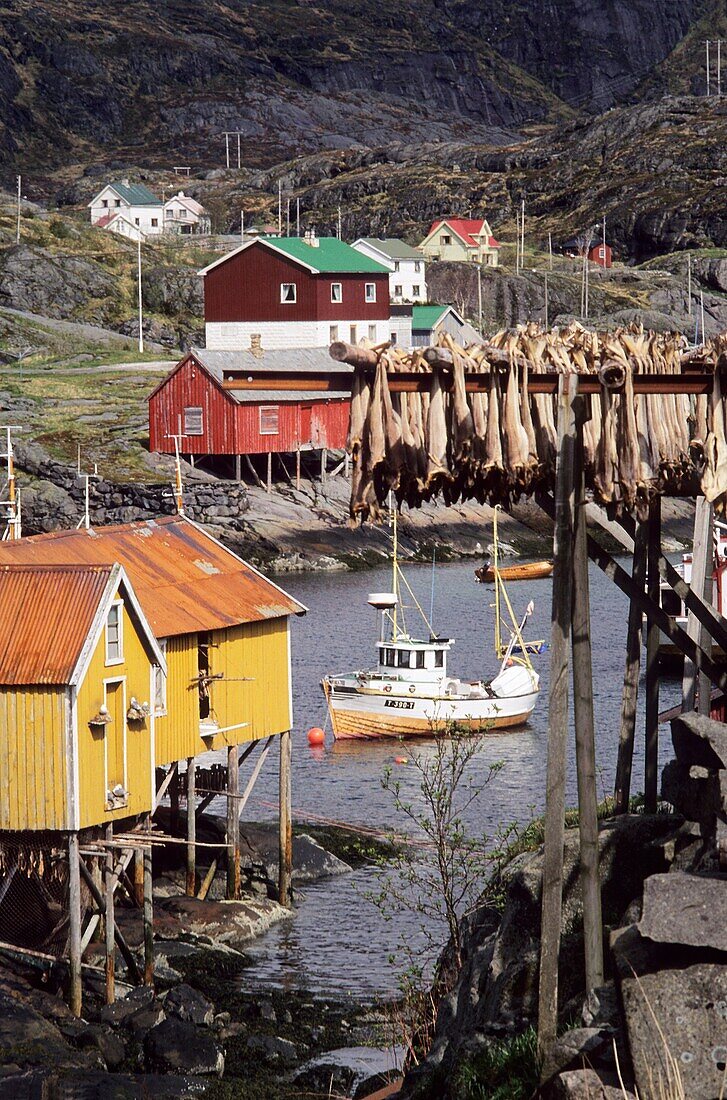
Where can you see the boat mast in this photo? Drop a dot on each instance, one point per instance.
(495, 568)
(395, 568)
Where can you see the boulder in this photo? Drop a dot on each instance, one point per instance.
(311, 861)
(30, 1041)
(231, 923)
(578, 1048)
(273, 1050)
(144, 1020)
(189, 1004)
(694, 791)
(177, 1046)
(352, 1071)
(676, 1018)
(600, 1008)
(585, 1084)
(685, 909)
(699, 740)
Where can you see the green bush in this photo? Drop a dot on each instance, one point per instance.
(500, 1071)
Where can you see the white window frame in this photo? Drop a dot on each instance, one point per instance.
(120, 804)
(288, 301)
(372, 332)
(445, 239)
(602, 252)
(119, 658)
(337, 300)
(160, 682)
(333, 333)
(370, 292)
(397, 265)
(399, 291)
(417, 266)
(193, 410)
(415, 290)
(268, 410)
(353, 334)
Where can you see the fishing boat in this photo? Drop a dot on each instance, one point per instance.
(411, 693)
(527, 571)
(669, 655)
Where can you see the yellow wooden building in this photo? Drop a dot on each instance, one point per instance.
(223, 628)
(78, 665)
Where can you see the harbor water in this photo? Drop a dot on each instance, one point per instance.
(338, 942)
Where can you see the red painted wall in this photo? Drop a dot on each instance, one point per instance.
(595, 255)
(247, 288)
(229, 428)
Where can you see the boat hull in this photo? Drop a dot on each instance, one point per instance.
(528, 571)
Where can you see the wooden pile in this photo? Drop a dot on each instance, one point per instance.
(474, 429)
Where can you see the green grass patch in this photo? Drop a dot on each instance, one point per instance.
(505, 1070)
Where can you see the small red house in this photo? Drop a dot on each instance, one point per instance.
(599, 252)
(294, 292)
(226, 403)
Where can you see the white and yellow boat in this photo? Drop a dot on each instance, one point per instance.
(410, 692)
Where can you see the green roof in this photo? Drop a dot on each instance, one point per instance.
(136, 194)
(426, 317)
(329, 257)
(394, 248)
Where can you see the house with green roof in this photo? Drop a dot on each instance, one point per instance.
(407, 282)
(429, 322)
(294, 292)
(130, 209)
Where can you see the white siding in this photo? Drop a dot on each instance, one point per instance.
(400, 328)
(235, 335)
(407, 278)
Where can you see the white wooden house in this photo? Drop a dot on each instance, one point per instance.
(461, 239)
(407, 281)
(183, 214)
(132, 202)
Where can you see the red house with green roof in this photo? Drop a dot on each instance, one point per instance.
(294, 292)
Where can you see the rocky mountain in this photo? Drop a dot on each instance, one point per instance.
(158, 83)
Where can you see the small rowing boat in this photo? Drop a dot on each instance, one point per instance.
(527, 571)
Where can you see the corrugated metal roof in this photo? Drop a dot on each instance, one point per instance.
(426, 317)
(393, 247)
(279, 397)
(46, 614)
(135, 193)
(328, 256)
(293, 360)
(184, 579)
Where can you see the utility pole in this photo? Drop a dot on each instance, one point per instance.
(545, 277)
(701, 311)
(707, 45)
(689, 283)
(239, 159)
(17, 226)
(522, 231)
(479, 294)
(517, 241)
(339, 223)
(242, 226)
(141, 313)
(550, 250)
(280, 208)
(719, 67)
(297, 217)
(227, 150)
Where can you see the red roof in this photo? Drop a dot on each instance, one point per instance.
(46, 614)
(467, 229)
(184, 580)
(104, 221)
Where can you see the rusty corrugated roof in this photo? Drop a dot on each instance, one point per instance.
(184, 579)
(46, 614)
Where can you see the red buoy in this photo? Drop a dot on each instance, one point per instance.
(401, 759)
(316, 736)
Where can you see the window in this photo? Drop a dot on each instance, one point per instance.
(439, 658)
(168, 213)
(352, 334)
(393, 337)
(204, 674)
(269, 419)
(160, 683)
(396, 265)
(104, 202)
(415, 290)
(114, 634)
(417, 266)
(336, 292)
(403, 658)
(288, 292)
(333, 332)
(370, 292)
(136, 221)
(193, 420)
(182, 212)
(389, 658)
(445, 239)
(420, 658)
(372, 332)
(155, 221)
(602, 253)
(398, 291)
(117, 202)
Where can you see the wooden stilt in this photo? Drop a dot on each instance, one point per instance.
(702, 584)
(270, 472)
(557, 718)
(297, 468)
(174, 801)
(238, 468)
(253, 472)
(233, 826)
(123, 945)
(139, 878)
(585, 728)
(629, 698)
(191, 828)
(285, 864)
(74, 921)
(110, 920)
(346, 465)
(652, 660)
(324, 462)
(148, 914)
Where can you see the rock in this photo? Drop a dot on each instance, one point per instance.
(95, 1085)
(189, 1004)
(144, 1020)
(118, 1012)
(700, 740)
(231, 923)
(585, 1084)
(672, 1014)
(694, 791)
(177, 1046)
(311, 861)
(685, 909)
(580, 1047)
(47, 506)
(353, 1071)
(600, 1007)
(104, 1039)
(273, 1050)
(29, 1040)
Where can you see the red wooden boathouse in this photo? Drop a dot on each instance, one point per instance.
(231, 403)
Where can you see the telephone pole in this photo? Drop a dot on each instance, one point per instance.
(707, 46)
(719, 67)
(17, 227)
(141, 318)
(280, 208)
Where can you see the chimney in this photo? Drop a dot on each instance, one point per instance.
(310, 238)
(256, 344)
(126, 183)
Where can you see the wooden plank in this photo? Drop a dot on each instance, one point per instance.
(557, 719)
(74, 921)
(651, 760)
(702, 584)
(139, 877)
(124, 948)
(191, 828)
(242, 799)
(110, 919)
(285, 847)
(630, 694)
(233, 825)
(585, 726)
(148, 914)
(164, 786)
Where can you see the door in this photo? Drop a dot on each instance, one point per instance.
(306, 412)
(116, 736)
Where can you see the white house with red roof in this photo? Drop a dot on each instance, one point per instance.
(461, 239)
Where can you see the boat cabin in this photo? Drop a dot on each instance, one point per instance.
(422, 660)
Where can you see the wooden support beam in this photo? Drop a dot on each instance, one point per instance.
(253, 472)
(168, 780)
(242, 799)
(208, 880)
(75, 866)
(585, 726)
(352, 354)
(138, 883)
(297, 468)
(173, 799)
(124, 948)
(269, 485)
(110, 921)
(148, 914)
(552, 894)
(324, 462)
(238, 468)
(233, 825)
(651, 758)
(285, 853)
(702, 584)
(191, 828)
(629, 697)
